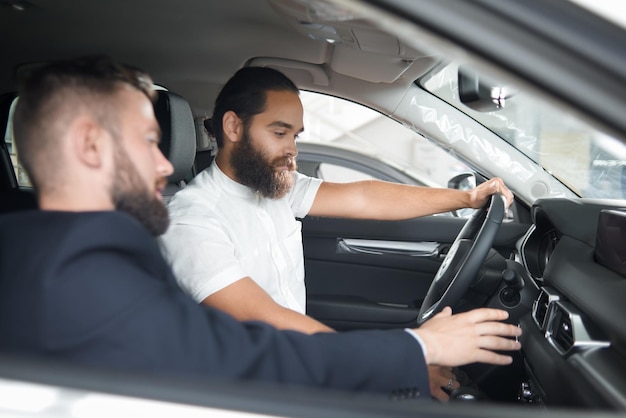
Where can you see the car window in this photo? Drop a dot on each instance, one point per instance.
(338, 174)
(588, 162)
(348, 125)
(20, 174)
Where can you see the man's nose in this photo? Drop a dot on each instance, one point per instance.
(292, 149)
(164, 167)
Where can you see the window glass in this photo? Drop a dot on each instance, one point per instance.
(20, 174)
(338, 174)
(587, 161)
(338, 122)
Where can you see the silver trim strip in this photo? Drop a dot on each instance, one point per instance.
(581, 334)
(380, 247)
(550, 296)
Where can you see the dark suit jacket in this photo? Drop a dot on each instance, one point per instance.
(93, 288)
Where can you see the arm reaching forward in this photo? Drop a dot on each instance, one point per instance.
(470, 337)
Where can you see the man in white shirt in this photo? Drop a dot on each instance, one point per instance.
(234, 241)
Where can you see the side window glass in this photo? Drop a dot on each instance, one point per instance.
(337, 174)
(336, 123)
(20, 174)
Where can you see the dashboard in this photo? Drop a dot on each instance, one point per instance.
(574, 341)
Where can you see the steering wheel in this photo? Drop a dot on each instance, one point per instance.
(464, 259)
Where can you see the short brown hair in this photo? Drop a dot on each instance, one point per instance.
(49, 93)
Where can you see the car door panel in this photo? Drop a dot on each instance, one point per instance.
(356, 278)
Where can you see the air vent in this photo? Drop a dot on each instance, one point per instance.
(567, 332)
(562, 332)
(541, 307)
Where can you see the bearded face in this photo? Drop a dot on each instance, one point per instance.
(257, 170)
(131, 195)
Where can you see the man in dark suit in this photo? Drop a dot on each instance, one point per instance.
(83, 280)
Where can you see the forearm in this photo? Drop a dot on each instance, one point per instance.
(286, 319)
(246, 301)
(385, 200)
(206, 343)
(392, 201)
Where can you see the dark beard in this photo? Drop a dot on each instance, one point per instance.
(253, 169)
(131, 196)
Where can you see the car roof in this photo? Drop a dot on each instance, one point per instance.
(191, 46)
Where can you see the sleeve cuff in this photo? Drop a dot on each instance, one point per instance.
(418, 339)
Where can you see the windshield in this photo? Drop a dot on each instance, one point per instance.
(588, 162)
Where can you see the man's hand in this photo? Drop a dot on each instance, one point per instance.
(479, 195)
(470, 337)
(441, 377)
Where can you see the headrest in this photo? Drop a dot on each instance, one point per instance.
(178, 133)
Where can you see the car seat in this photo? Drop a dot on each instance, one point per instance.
(178, 139)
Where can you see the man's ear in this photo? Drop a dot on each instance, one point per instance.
(232, 126)
(90, 142)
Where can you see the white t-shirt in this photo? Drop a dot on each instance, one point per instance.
(221, 231)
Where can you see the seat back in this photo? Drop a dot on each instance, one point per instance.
(178, 138)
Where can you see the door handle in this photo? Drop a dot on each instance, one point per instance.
(381, 247)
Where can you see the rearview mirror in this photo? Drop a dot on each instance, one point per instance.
(480, 93)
